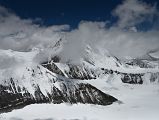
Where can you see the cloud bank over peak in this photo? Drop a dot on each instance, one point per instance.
(23, 35)
(119, 42)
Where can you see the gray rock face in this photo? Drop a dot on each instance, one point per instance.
(13, 96)
(53, 68)
(74, 72)
(132, 78)
(154, 77)
(78, 72)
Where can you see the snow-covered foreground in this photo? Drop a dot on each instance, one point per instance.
(140, 102)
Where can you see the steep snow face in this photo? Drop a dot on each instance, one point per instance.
(102, 58)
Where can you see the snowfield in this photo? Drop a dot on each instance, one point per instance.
(138, 102)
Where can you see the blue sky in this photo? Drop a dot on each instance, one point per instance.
(65, 11)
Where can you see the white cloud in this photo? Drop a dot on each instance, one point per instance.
(118, 42)
(132, 12)
(7, 61)
(23, 35)
(88, 33)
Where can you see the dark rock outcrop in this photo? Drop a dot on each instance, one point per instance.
(13, 96)
(80, 72)
(74, 72)
(126, 77)
(132, 78)
(53, 68)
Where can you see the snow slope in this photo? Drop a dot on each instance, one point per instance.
(139, 102)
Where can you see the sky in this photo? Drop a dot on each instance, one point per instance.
(123, 27)
(61, 11)
(65, 11)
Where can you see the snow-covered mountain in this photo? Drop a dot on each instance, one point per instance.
(24, 82)
(39, 76)
(149, 60)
